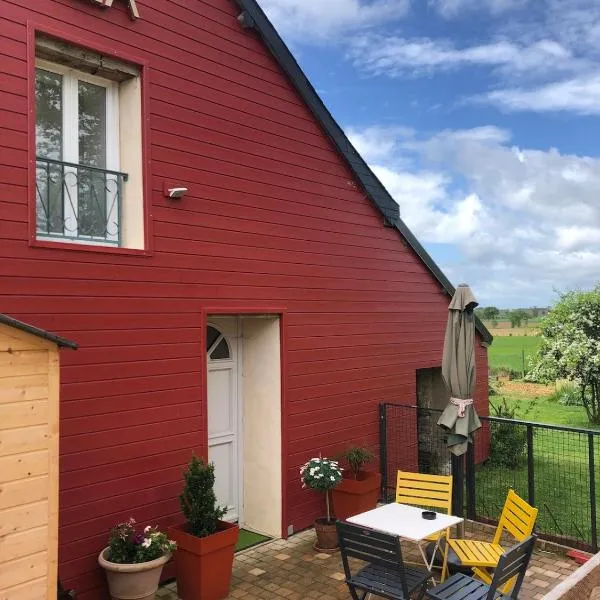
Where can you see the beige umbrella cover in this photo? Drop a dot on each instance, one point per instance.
(458, 371)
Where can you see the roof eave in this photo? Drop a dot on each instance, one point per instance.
(41, 333)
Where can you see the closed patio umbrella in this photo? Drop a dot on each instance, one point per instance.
(458, 371)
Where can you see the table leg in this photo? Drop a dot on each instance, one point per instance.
(424, 555)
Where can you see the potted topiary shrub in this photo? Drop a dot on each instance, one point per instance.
(206, 544)
(359, 490)
(323, 475)
(134, 561)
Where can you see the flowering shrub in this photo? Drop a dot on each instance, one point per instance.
(322, 475)
(570, 347)
(125, 546)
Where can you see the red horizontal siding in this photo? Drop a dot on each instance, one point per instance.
(272, 217)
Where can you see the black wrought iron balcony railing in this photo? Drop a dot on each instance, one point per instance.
(78, 202)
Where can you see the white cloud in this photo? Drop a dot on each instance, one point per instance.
(577, 239)
(422, 195)
(526, 222)
(377, 143)
(484, 134)
(455, 8)
(322, 20)
(579, 95)
(397, 56)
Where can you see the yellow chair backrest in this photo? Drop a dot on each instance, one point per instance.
(428, 491)
(517, 518)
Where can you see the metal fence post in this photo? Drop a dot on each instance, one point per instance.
(383, 450)
(458, 484)
(530, 467)
(592, 468)
(470, 479)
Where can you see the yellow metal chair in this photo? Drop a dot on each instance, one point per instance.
(517, 519)
(427, 491)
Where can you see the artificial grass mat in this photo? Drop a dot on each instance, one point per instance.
(248, 539)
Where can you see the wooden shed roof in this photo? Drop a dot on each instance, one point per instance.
(41, 333)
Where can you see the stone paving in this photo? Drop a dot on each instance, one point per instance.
(292, 569)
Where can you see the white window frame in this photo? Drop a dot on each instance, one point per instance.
(70, 140)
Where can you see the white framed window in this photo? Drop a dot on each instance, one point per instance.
(79, 188)
(89, 183)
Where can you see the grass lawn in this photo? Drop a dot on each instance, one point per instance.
(507, 351)
(562, 488)
(545, 410)
(561, 468)
(538, 403)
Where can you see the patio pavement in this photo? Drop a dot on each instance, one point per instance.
(292, 569)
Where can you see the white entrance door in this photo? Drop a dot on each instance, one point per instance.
(224, 413)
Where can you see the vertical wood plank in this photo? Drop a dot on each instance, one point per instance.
(53, 431)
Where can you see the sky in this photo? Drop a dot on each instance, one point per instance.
(482, 119)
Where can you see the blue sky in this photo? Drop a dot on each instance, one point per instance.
(481, 117)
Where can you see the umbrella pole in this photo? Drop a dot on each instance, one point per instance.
(458, 486)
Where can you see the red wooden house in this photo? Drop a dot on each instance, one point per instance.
(176, 198)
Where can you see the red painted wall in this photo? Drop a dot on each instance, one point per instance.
(271, 219)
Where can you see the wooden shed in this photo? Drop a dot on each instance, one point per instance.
(29, 414)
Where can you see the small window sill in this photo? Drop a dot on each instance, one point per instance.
(83, 247)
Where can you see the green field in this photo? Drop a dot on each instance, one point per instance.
(548, 410)
(507, 351)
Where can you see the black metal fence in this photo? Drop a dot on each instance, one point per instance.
(552, 467)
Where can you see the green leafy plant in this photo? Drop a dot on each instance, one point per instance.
(356, 457)
(322, 475)
(125, 546)
(198, 501)
(508, 441)
(566, 394)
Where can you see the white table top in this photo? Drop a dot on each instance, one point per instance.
(404, 521)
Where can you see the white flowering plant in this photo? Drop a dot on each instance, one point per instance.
(570, 347)
(125, 546)
(322, 475)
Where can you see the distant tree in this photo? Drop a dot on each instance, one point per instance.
(535, 312)
(490, 313)
(517, 316)
(570, 347)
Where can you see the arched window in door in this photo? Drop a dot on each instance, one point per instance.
(217, 347)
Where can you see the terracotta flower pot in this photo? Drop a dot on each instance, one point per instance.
(327, 537)
(137, 581)
(354, 496)
(203, 565)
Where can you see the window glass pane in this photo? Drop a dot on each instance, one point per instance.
(48, 144)
(92, 186)
(211, 337)
(92, 125)
(48, 110)
(221, 351)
